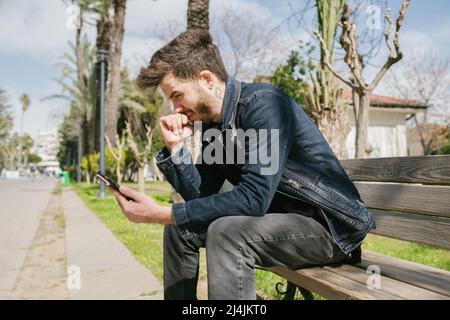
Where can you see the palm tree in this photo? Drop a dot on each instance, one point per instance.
(325, 104)
(78, 88)
(198, 14)
(6, 124)
(26, 102)
(112, 99)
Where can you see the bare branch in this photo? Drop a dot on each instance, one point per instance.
(148, 147)
(389, 30)
(115, 156)
(132, 144)
(349, 43)
(327, 61)
(394, 56)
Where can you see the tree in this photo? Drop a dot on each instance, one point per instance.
(250, 45)
(198, 14)
(423, 77)
(140, 153)
(324, 101)
(140, 109)
(112, 99)
(292, 77)
(78, 88)
(26, 102)
(34, 158)
(6, 124)
(353, 58)
(118, 154)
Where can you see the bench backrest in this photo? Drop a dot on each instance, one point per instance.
(408, 196)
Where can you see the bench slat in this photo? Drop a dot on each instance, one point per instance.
(393, 286)
(332, 285)
(434, 200)
(430, 230)
(416, 274)
(423, 169)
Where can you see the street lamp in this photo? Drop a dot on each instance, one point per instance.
(102, 55)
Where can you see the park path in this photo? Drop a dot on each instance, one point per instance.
(53, 247)
(22, 203)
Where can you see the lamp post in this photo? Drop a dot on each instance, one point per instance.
(102, 54)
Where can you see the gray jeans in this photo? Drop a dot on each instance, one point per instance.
(235, 244)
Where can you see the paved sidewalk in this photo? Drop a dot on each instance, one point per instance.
(22, 204)
(108, 270)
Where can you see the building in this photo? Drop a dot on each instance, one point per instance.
(46, 145)
(387, 135)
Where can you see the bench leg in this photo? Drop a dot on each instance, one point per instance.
(291, 289)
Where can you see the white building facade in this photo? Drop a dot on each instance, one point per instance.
(387, 134)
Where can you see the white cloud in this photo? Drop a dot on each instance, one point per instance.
(34, 28)
(143, 15)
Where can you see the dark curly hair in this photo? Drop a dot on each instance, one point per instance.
(185, 56)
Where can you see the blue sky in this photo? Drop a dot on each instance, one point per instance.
(33, 34)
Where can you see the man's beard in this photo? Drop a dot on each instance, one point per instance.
(204, 105)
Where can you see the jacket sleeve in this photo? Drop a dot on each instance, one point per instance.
(189, 180)
(268, 114)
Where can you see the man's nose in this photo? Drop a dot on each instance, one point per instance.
(177, 108)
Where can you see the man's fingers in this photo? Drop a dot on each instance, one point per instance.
(166, 122)
(184, 119)
(122, 202)
(131, 193)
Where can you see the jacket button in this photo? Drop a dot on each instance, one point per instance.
(294, 184)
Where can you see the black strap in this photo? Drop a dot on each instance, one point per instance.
(356, 255)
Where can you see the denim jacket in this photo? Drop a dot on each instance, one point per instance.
(306, 169)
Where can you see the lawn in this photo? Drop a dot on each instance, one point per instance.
(145, 241)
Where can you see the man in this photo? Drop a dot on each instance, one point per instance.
(298, 209)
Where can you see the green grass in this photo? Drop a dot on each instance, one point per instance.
(145, 241)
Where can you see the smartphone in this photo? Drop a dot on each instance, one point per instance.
(110, 183)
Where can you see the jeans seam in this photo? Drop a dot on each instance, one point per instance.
(241, 275)
(244, 243)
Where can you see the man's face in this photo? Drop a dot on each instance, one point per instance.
(190, 97)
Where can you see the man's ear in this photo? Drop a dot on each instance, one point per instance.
(208, 77)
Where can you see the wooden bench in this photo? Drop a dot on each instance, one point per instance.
(410, 200)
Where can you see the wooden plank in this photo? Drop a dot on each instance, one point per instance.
(434, 231)
(419, 275)
(424, 169)
(434, 200)
(331, 285)
(393, 286)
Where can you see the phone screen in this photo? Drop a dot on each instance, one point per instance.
(110, 183)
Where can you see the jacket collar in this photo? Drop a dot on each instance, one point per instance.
(230, 101)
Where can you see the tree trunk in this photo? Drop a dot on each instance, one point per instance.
(118, 173)
(141, 181)
(88, 177)
(198, 14)
(156, 171)
(335, 130)
(112, 99)
(362, 125)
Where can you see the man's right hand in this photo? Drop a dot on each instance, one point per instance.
(175, 128)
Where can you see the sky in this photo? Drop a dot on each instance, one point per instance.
(33, 34)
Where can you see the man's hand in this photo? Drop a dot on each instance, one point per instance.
(175, 128)
(143, 209)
